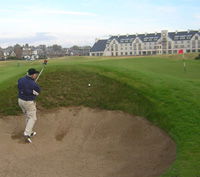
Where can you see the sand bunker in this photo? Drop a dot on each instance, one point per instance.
(83, 142)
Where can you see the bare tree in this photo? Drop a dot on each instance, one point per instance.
(18, 51)
(1, 54)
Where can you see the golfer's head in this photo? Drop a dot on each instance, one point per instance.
(33, 73)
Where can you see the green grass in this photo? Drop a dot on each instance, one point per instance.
(153, 87)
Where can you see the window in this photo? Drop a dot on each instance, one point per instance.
(149, 53)
(139, 46)
(131, 53)
(193, 44)
(196, 38)
(198, 44)
(144, 53)
(122, 53)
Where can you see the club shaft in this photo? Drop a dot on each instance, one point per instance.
(39, 74)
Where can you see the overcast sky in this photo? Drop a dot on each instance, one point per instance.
(68, 22)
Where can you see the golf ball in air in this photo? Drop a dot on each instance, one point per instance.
(89, 85)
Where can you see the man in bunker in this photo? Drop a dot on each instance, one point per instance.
(28, 90)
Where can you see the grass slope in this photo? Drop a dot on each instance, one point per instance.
(154, 87)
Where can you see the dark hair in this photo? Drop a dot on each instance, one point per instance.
(32, 71)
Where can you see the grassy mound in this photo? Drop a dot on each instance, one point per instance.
(69, 87)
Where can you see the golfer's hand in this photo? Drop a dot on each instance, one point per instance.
(35, 93)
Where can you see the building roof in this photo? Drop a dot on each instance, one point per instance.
(154, 37)
(99, 46)
(151, 37)
(122, 39)
(182, 35)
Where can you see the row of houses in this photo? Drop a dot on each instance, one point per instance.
(148, 44)
(19, 52)
(41, 52)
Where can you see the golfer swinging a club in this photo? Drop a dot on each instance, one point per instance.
(28, 90)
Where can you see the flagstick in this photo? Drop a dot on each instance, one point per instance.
(184, 64)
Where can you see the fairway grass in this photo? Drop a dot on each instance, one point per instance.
(156, 88)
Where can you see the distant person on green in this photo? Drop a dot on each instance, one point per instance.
(45, 62)
(28, 90)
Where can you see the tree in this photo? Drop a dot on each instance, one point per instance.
(1, 54)
(57, 48)
(75, 47)
(18, 51)
(198, 57)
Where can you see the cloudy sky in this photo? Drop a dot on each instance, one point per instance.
(68, 22)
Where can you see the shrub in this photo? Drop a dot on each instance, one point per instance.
(198, 57)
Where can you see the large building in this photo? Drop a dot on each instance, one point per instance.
(148, 44)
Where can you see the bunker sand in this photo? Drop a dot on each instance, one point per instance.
(84, 142)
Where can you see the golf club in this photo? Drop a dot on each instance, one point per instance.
(44, 65)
